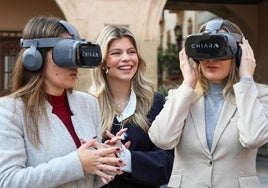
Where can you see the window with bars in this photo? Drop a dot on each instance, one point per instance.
(9, 48)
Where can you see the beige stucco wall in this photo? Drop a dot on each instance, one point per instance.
(15, 13)
(142, 17)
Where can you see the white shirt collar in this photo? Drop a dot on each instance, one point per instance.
(130, 108)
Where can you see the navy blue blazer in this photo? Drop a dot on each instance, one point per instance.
(151, 166)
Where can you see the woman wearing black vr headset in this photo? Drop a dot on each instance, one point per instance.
(49, 132)
(128, 105)
(217, 118)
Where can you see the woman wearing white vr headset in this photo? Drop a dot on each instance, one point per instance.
(49, 133)
(217, 118)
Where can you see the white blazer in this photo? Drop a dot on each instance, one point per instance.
(242, 128)
(55, 163)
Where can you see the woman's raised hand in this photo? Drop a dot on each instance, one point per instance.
(248, 62)
(189, 69)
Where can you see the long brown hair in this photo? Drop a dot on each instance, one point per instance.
(29, 85)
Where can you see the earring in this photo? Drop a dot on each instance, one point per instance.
(106, 68)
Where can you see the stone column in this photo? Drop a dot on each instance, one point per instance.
(141, 16)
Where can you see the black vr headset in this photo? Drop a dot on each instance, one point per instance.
(67, 52)
(212, 44)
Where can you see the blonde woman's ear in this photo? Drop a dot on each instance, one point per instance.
(106, 68)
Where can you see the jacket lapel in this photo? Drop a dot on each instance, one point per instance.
(227, 112)
(197, 113)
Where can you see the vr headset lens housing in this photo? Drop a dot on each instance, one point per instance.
(211, 46)
(75, 53)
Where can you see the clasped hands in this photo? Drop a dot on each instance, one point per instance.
(102, 158)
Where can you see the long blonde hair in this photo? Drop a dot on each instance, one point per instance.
(143, 88)
(29, 85)
(233, 77)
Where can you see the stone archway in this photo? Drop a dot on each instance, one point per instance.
(142, 17)
(235, 13)
(249, 17)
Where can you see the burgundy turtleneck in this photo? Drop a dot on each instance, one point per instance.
(61, 108)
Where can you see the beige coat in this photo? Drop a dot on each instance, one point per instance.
(242, 128)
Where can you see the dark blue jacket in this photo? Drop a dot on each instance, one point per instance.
(151, 166)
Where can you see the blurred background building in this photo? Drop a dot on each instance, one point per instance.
(159, 25)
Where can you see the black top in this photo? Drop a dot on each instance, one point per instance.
(151, 166)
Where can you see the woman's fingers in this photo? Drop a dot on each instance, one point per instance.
(122, 131)
(93, 159)
(119, 133)
(127, 144)
(107, 172)
(105, 177)
(248, 62)
(108, 169)
(109, 134)
(189, 69)
(89, 144)
(112, 161)
(109, 150)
